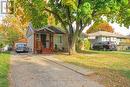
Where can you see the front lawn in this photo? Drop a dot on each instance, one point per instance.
(4, 69)
(113, 68)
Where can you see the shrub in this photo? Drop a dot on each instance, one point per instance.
(83, 44)
(87, 44)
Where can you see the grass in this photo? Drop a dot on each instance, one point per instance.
(112, 67)
(4, 69)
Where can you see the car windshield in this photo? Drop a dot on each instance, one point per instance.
(21, 45)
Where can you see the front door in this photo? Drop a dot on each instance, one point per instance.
(43, 39)
(46, 43)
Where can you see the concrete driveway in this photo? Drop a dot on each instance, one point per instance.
(35, 71)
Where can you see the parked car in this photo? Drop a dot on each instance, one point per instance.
(21, 47)
(107, 45)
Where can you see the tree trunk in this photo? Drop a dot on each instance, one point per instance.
(72, 49)
(72, 43)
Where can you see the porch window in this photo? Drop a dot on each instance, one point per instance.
(38, 37)
(60, 38)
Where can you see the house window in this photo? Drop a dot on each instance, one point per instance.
(60, 39)
(108, 38)
(112, 39)
(38, 37)
(103, 38)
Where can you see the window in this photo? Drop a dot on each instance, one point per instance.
(60, 39)
(103, 38)
(38, 37)
(108, 38)
(21, 45)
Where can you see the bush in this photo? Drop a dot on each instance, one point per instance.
(83, 44)
(79, 44)
(87, 44)
(1, 45)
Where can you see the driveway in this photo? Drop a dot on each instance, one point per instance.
(35, 71)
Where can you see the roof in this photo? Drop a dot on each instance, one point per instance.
(22, 40)
(107, 34)
(51, 29)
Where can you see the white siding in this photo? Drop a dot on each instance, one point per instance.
(30, 43)
(58, 40)
(103, 38)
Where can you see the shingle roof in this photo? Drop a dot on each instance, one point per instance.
(107, 34)
(56, 30)
(23, 40)
(51, 29)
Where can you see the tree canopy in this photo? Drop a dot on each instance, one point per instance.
(11, 29)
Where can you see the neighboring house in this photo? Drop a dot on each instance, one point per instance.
(123, 42)
(46, 39)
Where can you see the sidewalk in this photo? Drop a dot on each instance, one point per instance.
(80, 70)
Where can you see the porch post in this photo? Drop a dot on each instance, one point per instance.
(34, 50)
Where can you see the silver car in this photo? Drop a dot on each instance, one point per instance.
(21, 48)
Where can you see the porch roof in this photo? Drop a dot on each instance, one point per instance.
(50, 29)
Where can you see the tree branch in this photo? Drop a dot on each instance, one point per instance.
(58, 17)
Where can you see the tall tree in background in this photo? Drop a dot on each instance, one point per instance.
(8, 36)
(14, 26)
(78, 12)
(11, 29)
(100, 26)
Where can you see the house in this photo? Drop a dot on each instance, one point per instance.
(123, 42)
(46, 40)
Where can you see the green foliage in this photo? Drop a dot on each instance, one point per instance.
(85, 10)
(34, 10)
(71, 3)
(87, 44)
(83, 44)
(79, 44)
(128, 12)
(124, 2)
(11, 36)
(1, 45)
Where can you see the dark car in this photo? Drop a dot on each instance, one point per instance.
(107, 45)
(21, 48)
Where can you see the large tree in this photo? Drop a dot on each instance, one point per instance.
(11, 30)
(78, 12)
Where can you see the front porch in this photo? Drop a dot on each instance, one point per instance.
(43, 43)
(48, 40)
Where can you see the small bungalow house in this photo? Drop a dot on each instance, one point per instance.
(122, 42)
(46, 39)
